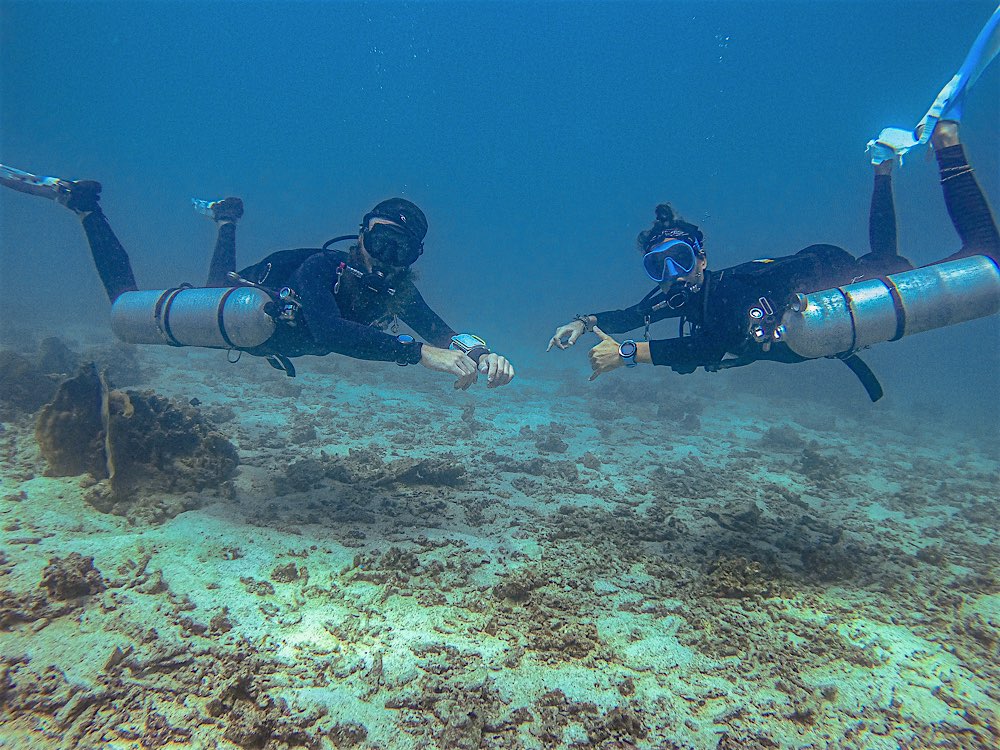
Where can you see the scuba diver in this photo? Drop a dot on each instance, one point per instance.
(306, 301)
(820, 302)
(736, 316)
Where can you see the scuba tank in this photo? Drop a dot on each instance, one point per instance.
(243, 316)
(844, 319)
(239, 317)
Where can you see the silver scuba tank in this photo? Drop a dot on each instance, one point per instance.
(848, 318)
(220, 318)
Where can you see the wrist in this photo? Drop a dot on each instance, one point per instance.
(627, 351)
(409, 351)
(587, 321)
(474, 347)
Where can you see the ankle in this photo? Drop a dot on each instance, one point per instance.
(884, 168)
(945, 134)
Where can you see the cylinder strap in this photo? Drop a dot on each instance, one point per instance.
(849, 304)
(897, 304)
(221, 319)
(161, 314)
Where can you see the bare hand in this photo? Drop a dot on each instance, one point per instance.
(497, 369)
(604, 357)
(452, 362)
(567, 335)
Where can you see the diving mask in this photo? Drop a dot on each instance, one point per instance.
(391, 243)
(671, 258)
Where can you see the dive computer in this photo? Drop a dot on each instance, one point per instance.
(627, 350)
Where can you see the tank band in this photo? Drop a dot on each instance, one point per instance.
(897, 303)
(161, 314)
(849, 304)
(220, 318)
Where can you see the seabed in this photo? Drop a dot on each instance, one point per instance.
(555, 564)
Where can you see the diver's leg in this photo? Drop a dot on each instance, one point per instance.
(884, 257)
(967, 206)
(110, 258)
(225, 213)
(882, 214)
(82, 197)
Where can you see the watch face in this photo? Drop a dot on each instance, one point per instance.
(628, 349)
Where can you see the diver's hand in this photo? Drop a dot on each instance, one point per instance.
(451, 362)
(604, 357)
(567, 335)
(497, 369)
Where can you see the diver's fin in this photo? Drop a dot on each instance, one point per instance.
(224, 209)
(949, 101)
(25, 182)
(891, 142)
(948, 104)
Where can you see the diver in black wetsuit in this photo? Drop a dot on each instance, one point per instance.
(339, 301)
(728, 317)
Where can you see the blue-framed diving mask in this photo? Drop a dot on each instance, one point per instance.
(671, 257)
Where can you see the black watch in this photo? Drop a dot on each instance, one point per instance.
(627, 351)
(410, 350)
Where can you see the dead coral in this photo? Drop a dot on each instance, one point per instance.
(288, 573)
(28, 607)
(619, 725)
(167, 446)
(538, 467)
(785, 438)
(209, 693)
(348, 734)
(517, 586)
(70, 429)
(369, 469)
(819, 468)
(599, 527)
(449, 706)
(739, 578)
(827, 562)
(143, 443)
(536, 613)
(254, 719)
(71, 576)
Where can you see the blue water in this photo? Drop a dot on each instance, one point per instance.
(536, 136)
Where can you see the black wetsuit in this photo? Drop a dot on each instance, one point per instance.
(717, 316)
(347, 322)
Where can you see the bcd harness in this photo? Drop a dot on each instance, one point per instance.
(762, 318)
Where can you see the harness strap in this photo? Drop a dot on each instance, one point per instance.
(864, 374)
(282, 363)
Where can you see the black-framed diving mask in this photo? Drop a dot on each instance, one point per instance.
(389, 242)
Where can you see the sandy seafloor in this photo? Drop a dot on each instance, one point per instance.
(606, 565)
